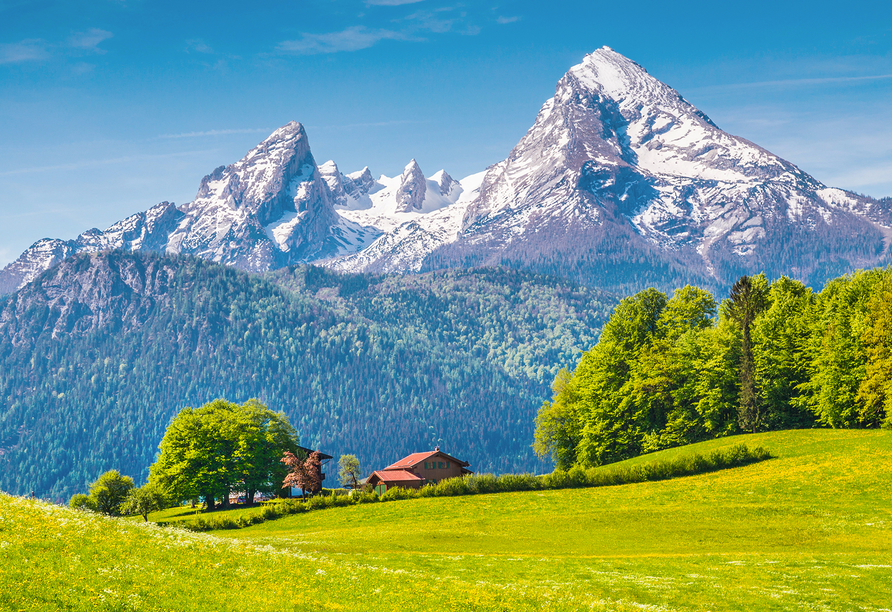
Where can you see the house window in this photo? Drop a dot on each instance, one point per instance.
(440, 464)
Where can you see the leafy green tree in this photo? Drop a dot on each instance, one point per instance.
(610, 431)
(716, 354)
(109, 491)
(263, 435)
(836, 353)
(209, 451)
(144, 500)
(748, 298)
(780, 338)
(558, 423)
(875, 389)
(348, 471)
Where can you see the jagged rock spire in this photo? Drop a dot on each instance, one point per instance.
(413, 187)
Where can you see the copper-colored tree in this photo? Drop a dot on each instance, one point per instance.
(305, 474)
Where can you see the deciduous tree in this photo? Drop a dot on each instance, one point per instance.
(109, 491)
(144, 500)
(304, 473)
(348, 471)
(222, 446)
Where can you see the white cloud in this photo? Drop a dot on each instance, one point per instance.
(24, 51)
(504, 20)
(351, 39)
(89, 40)
(216, 133)
(94, 163)
(390, 2)
(198, 45)
(412, 27)
(37, 50)
(877, 175)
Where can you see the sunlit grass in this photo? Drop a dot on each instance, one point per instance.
(808, 530)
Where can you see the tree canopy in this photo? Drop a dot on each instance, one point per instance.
(349, 472)
(144, 500)
(107, 494)
(210, 451)
(668, 372)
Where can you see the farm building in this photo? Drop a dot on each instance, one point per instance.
(417, 469)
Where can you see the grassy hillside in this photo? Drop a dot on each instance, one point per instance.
(809, 530)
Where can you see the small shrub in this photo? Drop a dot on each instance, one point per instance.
(269, 513)
(428, 490)
(79, 501)
(577, 477)
(365, 497)
(519, 482)
(451, 487)
(339, 501)
(318, 502)
(484, 483)
(331, 492)
(289, 506)
(397, 493)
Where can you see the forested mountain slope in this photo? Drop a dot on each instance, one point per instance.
(98, 353)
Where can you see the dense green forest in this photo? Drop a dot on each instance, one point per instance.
(98, 354)
(667, 372)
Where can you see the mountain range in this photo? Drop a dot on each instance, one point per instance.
(620, 183)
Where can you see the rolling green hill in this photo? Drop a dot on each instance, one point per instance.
(809, 530)
(98, 353)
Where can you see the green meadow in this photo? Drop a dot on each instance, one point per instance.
(810, 529)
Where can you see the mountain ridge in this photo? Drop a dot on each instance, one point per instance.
(619, 183)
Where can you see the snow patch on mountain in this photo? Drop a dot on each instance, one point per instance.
(411, 236)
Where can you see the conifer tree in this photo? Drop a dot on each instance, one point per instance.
(748, 298)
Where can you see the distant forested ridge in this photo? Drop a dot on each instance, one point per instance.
(98, 353)
(668, 372)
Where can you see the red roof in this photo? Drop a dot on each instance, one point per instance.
(416, 458)
(395, 476)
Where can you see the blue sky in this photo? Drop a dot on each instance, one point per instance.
(110, 106)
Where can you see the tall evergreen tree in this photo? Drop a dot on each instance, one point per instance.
(748, 298)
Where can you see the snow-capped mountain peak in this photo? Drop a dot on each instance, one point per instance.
(412, 188)
(620, 182)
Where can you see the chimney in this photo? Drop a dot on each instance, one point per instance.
(436, 449)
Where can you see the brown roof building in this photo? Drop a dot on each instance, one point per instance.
(418, 469)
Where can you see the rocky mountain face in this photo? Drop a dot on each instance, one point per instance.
(620, 183)
(144, 231)
(274, 208)
(268, 210)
